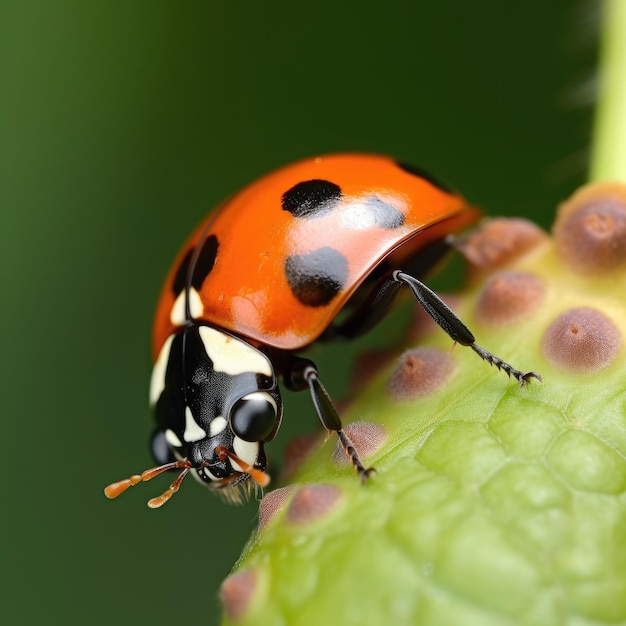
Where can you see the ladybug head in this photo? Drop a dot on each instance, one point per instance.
(216, 402)
(234, 450)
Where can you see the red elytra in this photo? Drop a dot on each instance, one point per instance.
(246, 290)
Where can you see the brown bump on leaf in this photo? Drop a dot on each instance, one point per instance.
(312, 502)
(499, 241)
(237, 591)
(590, 228)
(272, 504)
(581, 340)
(420, 372)
(367, 438)
(508, 297)
(297, 451)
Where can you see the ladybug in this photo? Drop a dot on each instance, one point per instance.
(264, 276)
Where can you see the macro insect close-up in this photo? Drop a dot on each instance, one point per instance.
(264, 276)
(356, 268)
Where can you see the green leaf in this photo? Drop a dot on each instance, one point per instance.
(493, 504)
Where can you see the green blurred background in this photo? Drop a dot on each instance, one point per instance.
(121, 124)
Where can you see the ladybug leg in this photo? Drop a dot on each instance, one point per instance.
(303, 374)
(454, 327)
(376, 305)
(368, 313)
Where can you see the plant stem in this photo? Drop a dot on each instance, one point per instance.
(608, 159)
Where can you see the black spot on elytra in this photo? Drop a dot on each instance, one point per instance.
(409, 168)
(311, 198)
(204, 264)
(180, 278)
(382, 214)
(317, 277)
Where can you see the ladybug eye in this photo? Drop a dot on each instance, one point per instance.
(254, 417)
(161, 449)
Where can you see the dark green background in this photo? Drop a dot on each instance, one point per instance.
(121, 124)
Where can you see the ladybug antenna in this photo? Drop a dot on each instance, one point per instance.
(115, 489)
(261, 478)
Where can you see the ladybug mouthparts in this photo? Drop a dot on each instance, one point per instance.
(234, 479)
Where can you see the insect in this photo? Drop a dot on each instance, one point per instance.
(263, 277)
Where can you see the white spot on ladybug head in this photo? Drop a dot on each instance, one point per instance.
(178, 315)
(247, 451)
(193, 431)
(218, 424)
(233, 356)
(157, 382)
(172, 438)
